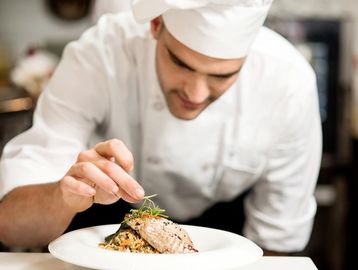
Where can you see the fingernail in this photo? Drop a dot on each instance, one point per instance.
(139, 193)
(115, 189)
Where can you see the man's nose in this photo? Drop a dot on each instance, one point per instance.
(196, 88)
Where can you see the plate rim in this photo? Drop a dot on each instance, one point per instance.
(52, 248)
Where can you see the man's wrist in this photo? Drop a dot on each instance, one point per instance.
(58, 195)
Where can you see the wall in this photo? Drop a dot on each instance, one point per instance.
(345, 9)
(27, 22)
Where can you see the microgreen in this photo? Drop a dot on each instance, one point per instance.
(148, 207)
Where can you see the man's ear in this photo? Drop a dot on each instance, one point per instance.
(156, 26)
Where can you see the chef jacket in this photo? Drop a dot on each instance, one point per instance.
(263, 133)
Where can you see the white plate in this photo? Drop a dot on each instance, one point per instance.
(218, 250)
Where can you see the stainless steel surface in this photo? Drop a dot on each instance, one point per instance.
(16, 109)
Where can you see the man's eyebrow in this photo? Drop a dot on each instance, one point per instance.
(178, 61)
(181, 63)
(226, 75)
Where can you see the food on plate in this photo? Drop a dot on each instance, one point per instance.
(128, 240)
(148, 230)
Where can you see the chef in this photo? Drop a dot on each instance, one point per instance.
(192, 100)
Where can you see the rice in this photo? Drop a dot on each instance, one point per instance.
(128, 240)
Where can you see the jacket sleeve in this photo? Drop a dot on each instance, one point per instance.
(281, 207)
(72, 107)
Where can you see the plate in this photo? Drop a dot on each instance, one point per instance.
(217, 250)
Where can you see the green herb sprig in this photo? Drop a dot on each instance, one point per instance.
(148, 207)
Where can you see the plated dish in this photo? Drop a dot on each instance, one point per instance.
(146, 239)
(148, 230)
(219, 250)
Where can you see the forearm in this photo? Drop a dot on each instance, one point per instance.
(32, 216)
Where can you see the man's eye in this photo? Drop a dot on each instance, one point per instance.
(178, 63)
(223, 77)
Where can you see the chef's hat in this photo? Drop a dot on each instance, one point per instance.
(216, 28)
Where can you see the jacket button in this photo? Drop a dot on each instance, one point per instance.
(153, 160)
(158, 106)
(208, 166)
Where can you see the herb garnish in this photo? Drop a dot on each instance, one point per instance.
(148, 208)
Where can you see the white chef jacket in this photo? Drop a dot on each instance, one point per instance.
(263, 133)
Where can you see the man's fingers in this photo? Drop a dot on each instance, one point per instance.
(88, 170)
(116, 149)
(77, 187)
(125, 196)
(126, 183)
(133, 191)
(103, 156)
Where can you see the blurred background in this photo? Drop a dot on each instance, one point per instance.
(33, 34)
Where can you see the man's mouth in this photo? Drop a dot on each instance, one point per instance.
(187, 104)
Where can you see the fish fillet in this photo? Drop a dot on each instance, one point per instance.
(163, 234)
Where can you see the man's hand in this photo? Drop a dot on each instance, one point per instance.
(101, 175)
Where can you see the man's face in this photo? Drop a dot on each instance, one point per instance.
(190, 81)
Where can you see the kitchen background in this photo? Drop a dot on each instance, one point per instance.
(34, 32)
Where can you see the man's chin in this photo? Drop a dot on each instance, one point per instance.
(186, 115)
(186, 118)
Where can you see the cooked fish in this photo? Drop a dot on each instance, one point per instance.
(127, 240)
(163, 234)
(147, 230)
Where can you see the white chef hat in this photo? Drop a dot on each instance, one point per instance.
(216, 28)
